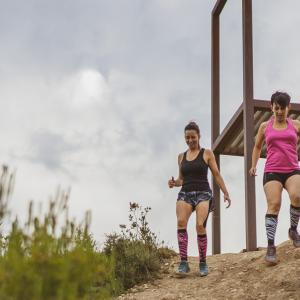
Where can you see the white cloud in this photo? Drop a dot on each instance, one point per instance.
(99, 103)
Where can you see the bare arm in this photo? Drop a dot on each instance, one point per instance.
(212, 164)
(257, 147)
(215, 171)
(178, 181)
(296, 124)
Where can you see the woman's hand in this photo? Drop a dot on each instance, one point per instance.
(252, 171)
(171, 182)
(227, 199)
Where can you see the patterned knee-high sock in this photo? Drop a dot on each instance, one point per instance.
(271, 225)
(202, 246)
(182, 237)
(295, 215)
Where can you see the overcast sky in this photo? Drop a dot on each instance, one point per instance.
(95, 95)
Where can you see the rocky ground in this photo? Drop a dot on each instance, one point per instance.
(231, 276)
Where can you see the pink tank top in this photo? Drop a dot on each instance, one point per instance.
(282, 156)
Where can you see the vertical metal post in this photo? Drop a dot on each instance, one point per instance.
(248, 117)
(215, 127)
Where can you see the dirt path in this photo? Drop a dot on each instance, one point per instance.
(231, 276)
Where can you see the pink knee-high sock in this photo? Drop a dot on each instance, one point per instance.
(182, 237)
(202, 246)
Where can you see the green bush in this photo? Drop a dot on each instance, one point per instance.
(38, 261)
(40, 269)
(136, 249)
(51, 257)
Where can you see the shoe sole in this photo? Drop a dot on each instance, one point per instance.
(202, 274)
(181, 275)
(293, 242)
(271, 262)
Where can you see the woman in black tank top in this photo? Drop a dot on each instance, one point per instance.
(195, 194)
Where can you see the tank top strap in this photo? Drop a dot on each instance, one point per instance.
(201, 156)
(271, 122)
(201, 152)
(291, 125)
(269, 125)
(290, 122)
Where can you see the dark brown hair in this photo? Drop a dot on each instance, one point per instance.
(192, 126)
(281, 98)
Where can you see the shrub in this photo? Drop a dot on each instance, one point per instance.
(136, 249)
(38, 261)
(52, 257)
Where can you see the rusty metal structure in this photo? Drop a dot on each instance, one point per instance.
(237, 138)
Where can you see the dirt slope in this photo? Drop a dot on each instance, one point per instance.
(232, 276)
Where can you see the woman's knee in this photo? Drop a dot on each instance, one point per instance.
(295, 199)
(200, 227)
(273, 208)
(182, 223)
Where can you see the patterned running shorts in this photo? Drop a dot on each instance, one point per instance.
(195, 197)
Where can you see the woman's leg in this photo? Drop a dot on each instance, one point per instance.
(292, 186)
(201, 216)
(183, 212)
(273, 190)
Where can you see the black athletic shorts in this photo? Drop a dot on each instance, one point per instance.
(281, 177)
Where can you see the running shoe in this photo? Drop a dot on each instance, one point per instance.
(203, 269)
(295, 237)
(271, 255)
(183, 268)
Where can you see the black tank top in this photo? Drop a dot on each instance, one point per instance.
(194, 173)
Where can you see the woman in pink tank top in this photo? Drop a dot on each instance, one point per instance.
(281, 169)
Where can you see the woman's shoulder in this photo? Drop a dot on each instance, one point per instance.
(180, 157)
(207, 152)
(296, 124)
(263, 126)
(181, 154)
